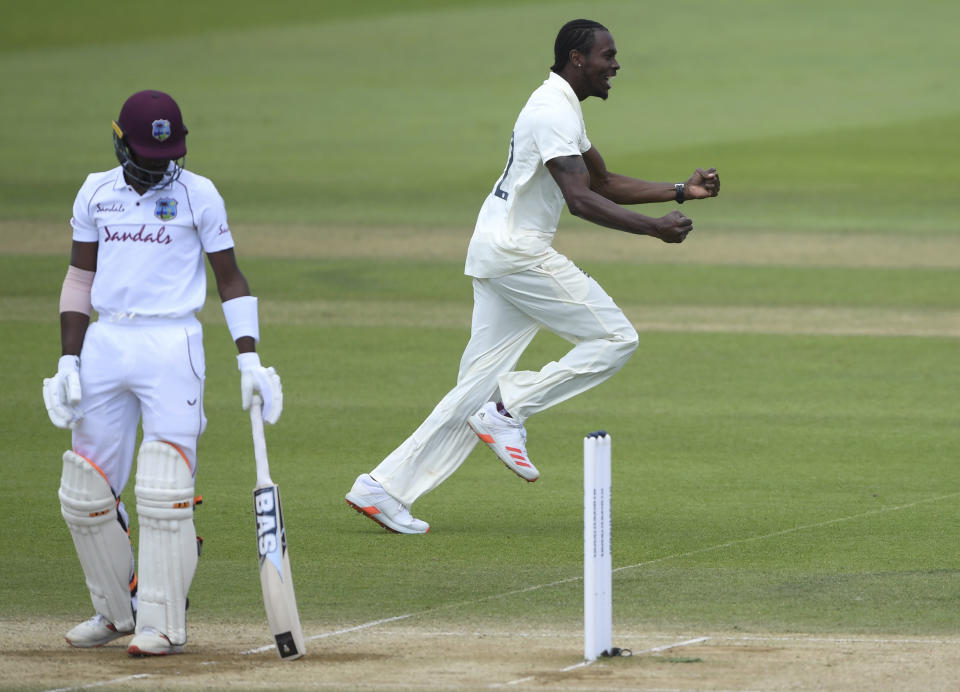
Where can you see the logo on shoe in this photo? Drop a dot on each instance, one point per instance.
(517, 454)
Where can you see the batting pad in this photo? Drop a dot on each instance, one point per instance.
(168, 541)
(89, 507)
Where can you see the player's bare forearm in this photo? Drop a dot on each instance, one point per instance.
(573, 178)
(231, 283)
(604, 212)
(73, 329)
(623, 189)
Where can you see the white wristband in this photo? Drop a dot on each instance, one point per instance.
(248, 361)
(241, 316)
(68, 364)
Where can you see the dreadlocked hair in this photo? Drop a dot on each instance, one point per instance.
(574, 35)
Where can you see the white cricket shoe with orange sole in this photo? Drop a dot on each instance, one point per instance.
(96, 631)
(506, 437)
(149, 642)
(369, 498)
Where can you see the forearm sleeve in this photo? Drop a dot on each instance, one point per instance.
(75, 293)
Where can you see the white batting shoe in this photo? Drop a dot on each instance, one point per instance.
(369, 498)
(149, 642)
(506, 437)
(96, 631)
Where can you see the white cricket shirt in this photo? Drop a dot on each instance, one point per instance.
(518, 219)
(150, 256)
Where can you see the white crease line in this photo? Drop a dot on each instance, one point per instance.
(518, 681)
(784, 532)
(672, 646)
(577, 634)
(361, 627)
(101, 683)
(584, 664)
(838, 640)
(334, 633)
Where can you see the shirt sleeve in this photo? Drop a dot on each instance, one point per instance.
(84, 228)
(212, 221)
(558, 133)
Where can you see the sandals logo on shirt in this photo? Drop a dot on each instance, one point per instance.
(161, 130)
(166, 209)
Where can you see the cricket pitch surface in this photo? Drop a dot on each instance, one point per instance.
(399, 656)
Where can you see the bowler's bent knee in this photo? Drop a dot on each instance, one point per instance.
(625, 342)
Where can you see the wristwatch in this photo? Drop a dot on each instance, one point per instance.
(678, 192)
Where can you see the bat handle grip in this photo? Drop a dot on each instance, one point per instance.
(259, 442)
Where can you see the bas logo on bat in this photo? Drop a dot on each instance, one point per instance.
(271, 538)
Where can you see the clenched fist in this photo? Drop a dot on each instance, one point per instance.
(673, 228)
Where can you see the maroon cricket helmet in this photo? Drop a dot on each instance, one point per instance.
(151, 125)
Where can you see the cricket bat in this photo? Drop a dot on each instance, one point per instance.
(275, 577)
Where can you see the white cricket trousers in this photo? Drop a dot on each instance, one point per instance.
(507, 313)
(133, 368)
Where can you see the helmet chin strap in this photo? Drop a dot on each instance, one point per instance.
(145, 176)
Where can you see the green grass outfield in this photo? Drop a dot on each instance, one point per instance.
(785, 439)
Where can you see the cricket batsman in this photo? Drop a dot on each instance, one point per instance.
(140, 231)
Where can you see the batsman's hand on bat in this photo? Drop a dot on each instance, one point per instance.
(702, 184)
(61, 393)
(254, 378)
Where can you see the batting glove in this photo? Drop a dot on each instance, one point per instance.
(61, 393)
(254, 378)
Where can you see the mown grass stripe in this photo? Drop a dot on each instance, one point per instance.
(706, 246)
(680, 318)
